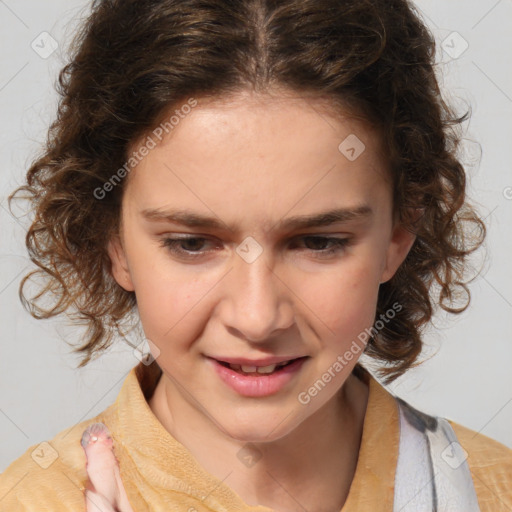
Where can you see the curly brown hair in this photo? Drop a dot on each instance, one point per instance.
(133, 61)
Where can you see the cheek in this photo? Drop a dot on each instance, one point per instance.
(172, 305)
(344, 301)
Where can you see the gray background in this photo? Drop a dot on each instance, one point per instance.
(469, 379)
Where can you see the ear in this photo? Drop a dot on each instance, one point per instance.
(120, 269)
(399, 246)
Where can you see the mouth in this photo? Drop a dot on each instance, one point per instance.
(258, 378)
(255, 370)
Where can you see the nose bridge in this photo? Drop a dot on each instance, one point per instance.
(259, 304)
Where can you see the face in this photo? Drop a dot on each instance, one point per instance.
(224, 244)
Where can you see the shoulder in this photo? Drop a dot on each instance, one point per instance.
(50, 475)
(490, 463)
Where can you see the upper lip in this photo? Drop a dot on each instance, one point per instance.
(266, 361)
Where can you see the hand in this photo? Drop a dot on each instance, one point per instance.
(105, 491)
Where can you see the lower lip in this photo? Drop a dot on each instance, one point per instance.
(258, 385)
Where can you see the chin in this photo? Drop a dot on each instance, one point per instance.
(252, 434)
(255, 429)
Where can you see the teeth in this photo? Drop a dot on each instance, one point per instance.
(257, 369)
(266, 369)
(248, 369)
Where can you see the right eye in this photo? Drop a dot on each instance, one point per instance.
(188, 247)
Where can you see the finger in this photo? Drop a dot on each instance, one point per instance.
(101, 462)
(95, 502)
(103, 469)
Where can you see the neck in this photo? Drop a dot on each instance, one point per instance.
(322, 452)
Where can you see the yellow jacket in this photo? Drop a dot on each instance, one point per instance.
(160, 474)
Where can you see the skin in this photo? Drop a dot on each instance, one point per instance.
(251, 161)
(105, 491)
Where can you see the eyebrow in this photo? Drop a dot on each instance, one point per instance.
(195, 220)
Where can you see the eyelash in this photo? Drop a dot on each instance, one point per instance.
(339, 244)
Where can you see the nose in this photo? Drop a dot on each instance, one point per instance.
(259, 304)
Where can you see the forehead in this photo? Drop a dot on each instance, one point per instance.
(261, 154)
(254, 119)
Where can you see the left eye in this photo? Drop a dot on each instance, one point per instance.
(337, 244)
(195, 244)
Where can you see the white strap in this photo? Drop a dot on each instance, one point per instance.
(432, 473)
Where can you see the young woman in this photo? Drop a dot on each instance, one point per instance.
(272, 188)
